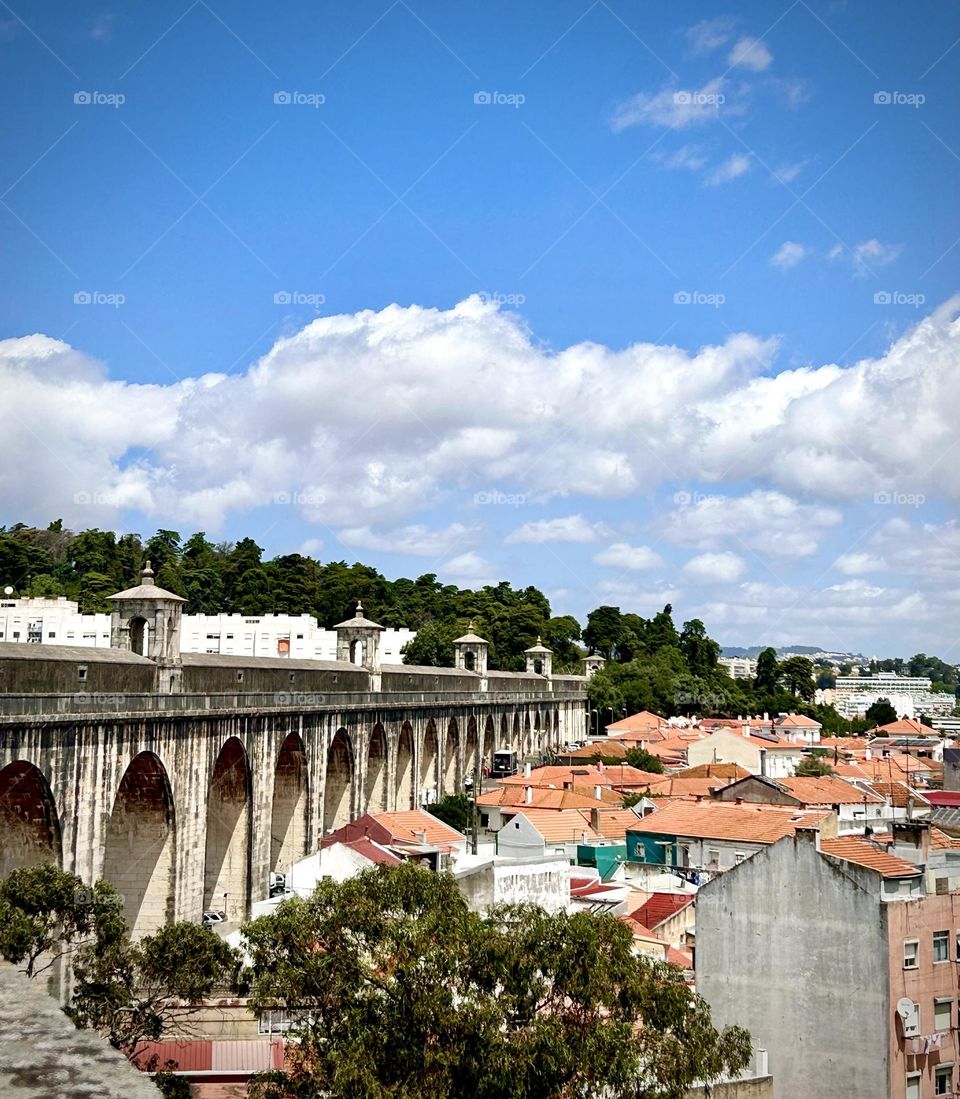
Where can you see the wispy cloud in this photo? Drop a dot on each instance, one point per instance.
(675, 108)
(788, 255)
(733, 167)
(710, 34)
(750, 53)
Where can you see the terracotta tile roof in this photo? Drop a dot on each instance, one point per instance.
(613, 823)
(616, 774)
(949, 798)
(545, 797)
(681, 958)
(373, 852)
(898, 794)
(940, 840)
(796, 721)
(588, 751)
(661, 907)
(844, 743)
(608, 796)
(566, 826)
(643, 720)
(826, 790)
(863, 853)
(730, 771)
(405, 825)
(722, 820)
(675, 786)
(641, 932)
(904, 726)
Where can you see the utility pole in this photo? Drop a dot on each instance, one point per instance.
(475, 816)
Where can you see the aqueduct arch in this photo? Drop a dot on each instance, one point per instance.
(403, 768)
(29, 823)
(139, 852)
(338, 789)
(451, 762)
(291, 802)
(429, 761)
(227, 864)
(375, 786)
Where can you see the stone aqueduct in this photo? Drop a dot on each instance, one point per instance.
(187, 811)
(186, 779)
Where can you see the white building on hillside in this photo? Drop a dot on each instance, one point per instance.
(59, 622)
(910, 695)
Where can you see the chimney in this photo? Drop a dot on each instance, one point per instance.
(867, 754)
(738, 801)
(421, 837)
(595, 819)
(528, 795)
(766, 716)
(600, 766)
(526, 770)
(597, 792)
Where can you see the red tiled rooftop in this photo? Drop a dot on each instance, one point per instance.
(863, 853)
(660, 907)
(722, 820)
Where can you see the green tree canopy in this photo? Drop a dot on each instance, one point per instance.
(880, 712)
(402, 991)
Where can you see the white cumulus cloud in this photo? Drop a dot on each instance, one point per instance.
(622, 555)
(720, 568)
(566, 528)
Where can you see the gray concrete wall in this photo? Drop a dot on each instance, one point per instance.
(792, 948)
(760, 1087)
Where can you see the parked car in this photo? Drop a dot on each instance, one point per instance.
(278, 884)
(211, 919)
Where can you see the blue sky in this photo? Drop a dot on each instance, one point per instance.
(706, 361)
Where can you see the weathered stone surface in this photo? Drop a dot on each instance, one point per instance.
(43, 1056)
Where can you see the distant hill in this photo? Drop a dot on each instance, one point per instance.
(795, 650)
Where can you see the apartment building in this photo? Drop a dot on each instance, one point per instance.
(840, 956)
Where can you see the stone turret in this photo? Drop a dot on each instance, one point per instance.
(592, 664)
(470, 652)
(146, 620)
(539, 660)
(470, 655)
(358, 642)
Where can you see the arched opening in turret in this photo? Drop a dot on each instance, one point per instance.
(139, 635)
(538, 666)
(29, 824)
(139, 853)
(291, 798)
(357, 653)
(338, 787)
(227, 864)
(470, 661)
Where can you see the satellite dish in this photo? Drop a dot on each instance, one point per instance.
(905, 1008)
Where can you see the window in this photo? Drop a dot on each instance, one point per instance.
(943, 1080)
(911, 953)
(739, 856)
(911, 1022)
(941, 946)
(913, 1085)
(274, 1021)
(713, 858)
(942, 1010)
(81, 673)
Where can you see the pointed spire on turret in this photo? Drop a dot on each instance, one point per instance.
(146, 576)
